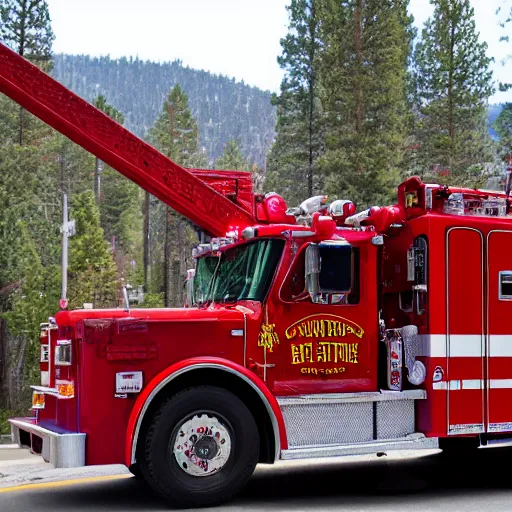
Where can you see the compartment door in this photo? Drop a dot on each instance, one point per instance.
(465, 330)
(499, 338)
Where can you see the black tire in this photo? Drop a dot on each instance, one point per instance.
(160, 467)
(459, 446)
(134, 469)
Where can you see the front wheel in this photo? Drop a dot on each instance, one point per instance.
(201, 448)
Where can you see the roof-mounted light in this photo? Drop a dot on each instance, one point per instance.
(249, 233)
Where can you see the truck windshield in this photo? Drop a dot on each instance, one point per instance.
(243, 272)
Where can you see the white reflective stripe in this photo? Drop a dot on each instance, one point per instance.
(500, 383)
(466, 345)
(500, 345)
(458, 385)
(461, 345)
(432, 345)
(454, 385)
(45, 378)
(472, 384)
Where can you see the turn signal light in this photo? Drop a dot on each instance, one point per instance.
(65, 389)
(37, 400)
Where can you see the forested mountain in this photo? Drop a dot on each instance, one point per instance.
(223, 108)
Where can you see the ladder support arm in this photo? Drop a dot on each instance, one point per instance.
(87, 126)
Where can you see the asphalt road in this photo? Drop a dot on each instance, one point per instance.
(482, 483)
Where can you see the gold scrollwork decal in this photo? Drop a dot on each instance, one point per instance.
(267, 337)
(324, 326)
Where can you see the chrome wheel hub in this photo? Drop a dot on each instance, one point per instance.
(202, 445)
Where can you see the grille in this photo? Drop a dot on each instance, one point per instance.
(395, 418)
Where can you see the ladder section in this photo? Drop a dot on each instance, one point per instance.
(87, 126)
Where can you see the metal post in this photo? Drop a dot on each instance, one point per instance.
(64, 247)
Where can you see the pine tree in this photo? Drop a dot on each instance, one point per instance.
(364, 79)
(26, 28)
(453, 86)
(503, 127)
(232, 159)
(101, 103)
(92, 271)
(292, 162)
(119, 201)
(175, 134)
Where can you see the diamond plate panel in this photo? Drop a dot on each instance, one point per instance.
(395, 419)
(323, 424)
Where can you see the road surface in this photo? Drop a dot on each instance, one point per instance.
(389, 483)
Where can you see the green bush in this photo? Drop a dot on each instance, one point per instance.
(5, 414)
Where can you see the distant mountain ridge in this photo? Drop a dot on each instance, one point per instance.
(224, 109)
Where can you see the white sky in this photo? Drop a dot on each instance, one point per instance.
(237, 38)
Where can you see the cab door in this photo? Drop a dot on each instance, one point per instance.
(329, 346)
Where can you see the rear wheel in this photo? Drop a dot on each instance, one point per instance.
(201, 448)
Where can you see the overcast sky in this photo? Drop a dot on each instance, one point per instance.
(237, 38)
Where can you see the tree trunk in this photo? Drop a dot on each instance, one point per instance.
(21, 51)
(311, 92)
(146, 242)
(177, 285)
(4, 364)
(451, 127)
(168, 275)
(358, 44)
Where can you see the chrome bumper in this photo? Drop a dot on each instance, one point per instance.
(62, 450)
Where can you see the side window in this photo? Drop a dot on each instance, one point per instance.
(340, 272)
(294, 287)
(505, 285)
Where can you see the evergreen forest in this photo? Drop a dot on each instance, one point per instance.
(367, 100)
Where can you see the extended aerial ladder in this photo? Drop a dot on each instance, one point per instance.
(186, 191)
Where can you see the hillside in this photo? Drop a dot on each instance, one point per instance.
(492, 114)
(224, 109)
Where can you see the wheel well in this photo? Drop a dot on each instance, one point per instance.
(230, 382)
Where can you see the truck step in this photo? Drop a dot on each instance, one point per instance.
(414, 441)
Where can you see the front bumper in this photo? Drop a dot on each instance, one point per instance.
(61, 449)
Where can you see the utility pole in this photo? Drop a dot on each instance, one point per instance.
(67, 229)
(97, 180)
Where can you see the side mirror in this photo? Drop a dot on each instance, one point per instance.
(329, 269)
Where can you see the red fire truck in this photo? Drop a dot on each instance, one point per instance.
(314, 331)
